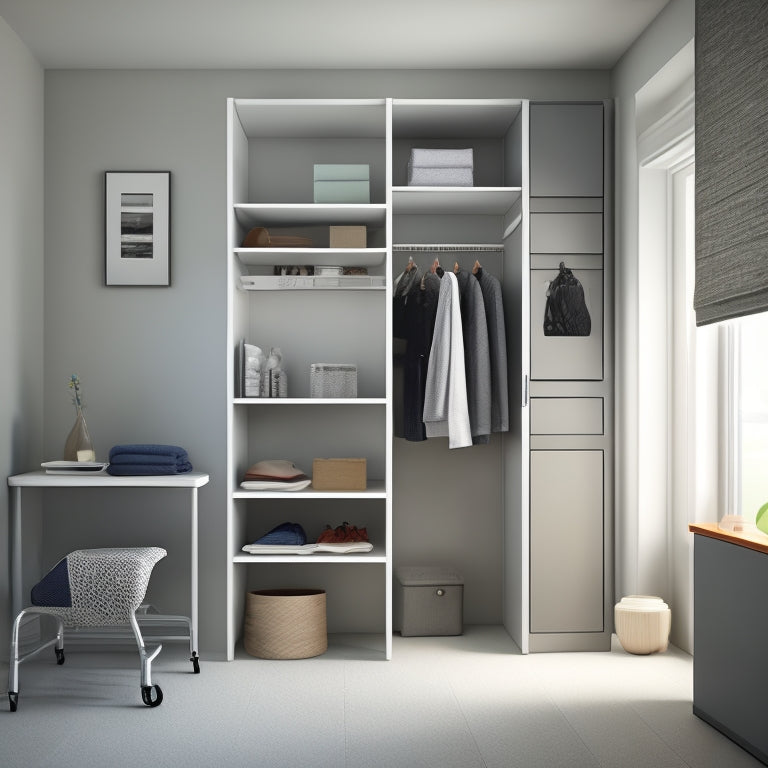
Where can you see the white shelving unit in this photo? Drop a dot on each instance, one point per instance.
(272, 146)
(520, 180)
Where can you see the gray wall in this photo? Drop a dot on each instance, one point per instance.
(152, 360)
(21, 287)
(637, 532)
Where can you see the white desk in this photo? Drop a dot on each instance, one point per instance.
(190, 481)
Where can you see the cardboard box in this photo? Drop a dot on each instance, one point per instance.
(339, 474)
(348, 237)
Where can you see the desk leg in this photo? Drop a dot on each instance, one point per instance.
(16, 554)
(193, 586)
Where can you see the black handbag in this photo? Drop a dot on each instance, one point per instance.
(566, 312)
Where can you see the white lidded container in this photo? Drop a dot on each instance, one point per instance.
(642, 624)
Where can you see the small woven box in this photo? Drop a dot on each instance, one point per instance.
(333, 380)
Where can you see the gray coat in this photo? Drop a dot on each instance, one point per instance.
(497, 339)
(477, 356)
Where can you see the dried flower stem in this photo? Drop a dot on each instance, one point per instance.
(74, 385)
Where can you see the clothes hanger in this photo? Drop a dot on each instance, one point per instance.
(477, 266)
(456, 267)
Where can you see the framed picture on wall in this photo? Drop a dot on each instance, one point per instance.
(138, 227)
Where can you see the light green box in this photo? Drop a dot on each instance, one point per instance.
(342, 192)
(342, 172)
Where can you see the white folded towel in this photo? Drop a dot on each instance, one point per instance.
(442, 158)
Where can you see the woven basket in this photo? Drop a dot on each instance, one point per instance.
(285, 623)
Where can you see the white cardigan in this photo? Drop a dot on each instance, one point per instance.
(446, 412)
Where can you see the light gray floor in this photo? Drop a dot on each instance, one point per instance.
(466, 701)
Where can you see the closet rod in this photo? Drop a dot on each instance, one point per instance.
(456, 247)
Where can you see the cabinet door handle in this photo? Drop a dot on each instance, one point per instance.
(525, 390)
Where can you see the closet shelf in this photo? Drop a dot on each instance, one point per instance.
(312, 118)
(375, 490)
(310, 214)
(275, 401)
(339, 257)
(487, 201)
(376, 555)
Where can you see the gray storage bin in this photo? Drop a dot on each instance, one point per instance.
(430, 601)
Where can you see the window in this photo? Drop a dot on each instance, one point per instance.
(749, 413)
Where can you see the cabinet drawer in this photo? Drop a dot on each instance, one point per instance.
(566, 233)
(566, 415)
(566, 541)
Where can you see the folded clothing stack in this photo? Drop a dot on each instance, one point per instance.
(441, 168)
(148, 459)
(275, 475)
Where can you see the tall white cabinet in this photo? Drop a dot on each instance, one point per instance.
(272, 146)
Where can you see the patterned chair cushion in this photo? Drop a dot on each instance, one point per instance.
(97, 587)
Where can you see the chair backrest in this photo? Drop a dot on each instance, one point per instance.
(107, 585)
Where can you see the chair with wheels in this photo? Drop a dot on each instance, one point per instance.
(92, 587)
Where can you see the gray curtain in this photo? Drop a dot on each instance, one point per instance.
(731, 159)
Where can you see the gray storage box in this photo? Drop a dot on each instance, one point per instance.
(430, 601)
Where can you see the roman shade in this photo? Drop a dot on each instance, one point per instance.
(731, 159)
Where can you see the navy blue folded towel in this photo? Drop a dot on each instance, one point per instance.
(148, 459)
(285, 533)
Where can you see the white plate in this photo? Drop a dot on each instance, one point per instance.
(73, 467)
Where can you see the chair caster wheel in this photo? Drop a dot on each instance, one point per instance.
(60, 656)
(13, 699)
(195, 664)
(146, 695)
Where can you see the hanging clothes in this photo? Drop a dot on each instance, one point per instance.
(422, 326)
(497, 339)
(446, 411)
(404, 300)
(477, 356)
(406, 283)
(415, 299)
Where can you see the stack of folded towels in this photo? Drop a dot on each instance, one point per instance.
(441, 168)
(275, 475)
(146, 459)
